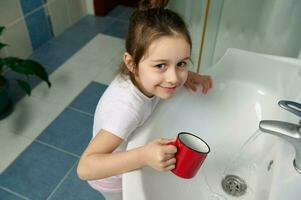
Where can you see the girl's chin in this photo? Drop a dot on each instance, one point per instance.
(166, 98)
(165, 95)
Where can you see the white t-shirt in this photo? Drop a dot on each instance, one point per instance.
(121, 109)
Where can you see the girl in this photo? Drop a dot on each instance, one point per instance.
(154, 66)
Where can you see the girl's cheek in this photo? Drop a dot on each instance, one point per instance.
(155, 80)
(151, 79)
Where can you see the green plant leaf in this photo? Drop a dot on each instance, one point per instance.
(22, 66)
(26, 67)
(39, 71)
(17, 65)
(2, 45)
(1, 66)
(1, 29)
(25, 86)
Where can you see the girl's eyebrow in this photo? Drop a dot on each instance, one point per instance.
(164, 60)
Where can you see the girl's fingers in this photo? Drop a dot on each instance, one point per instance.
(165, 141)
(204, 80)
(207, 80)
(206, 88)
(210, 81)
(170, 149)
(167, 148)
(170, 167)
(168, 157)
(191, 85)
(169, 162)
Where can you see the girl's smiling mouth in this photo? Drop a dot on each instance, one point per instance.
(169, 88)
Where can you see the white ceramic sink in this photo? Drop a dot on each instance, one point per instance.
(247, 88)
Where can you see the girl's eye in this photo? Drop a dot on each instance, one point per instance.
(182, 64)
(160, 66)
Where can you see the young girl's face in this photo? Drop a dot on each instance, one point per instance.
(164, 68)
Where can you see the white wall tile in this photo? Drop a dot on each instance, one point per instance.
(10, 10)
(66, 84)
(59, 17)
(90, 6)
(90, 53)
(108, 72)
(76, 9)
(30, 117)
(7, 153)
(3, 52)
(16, 36)
(84, 7)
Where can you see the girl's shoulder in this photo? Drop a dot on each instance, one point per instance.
(119, 88)
(122, 92)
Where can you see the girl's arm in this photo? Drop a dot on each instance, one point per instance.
(98, 161)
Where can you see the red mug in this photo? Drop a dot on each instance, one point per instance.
(191, 154)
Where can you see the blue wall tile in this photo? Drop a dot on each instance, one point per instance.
(87, 100)
(83, 31)
(52, 55)
(38, 28)
(8, 196)
(30, 5)
(121, 13)
(73, 188)
(118, 29)
(71, 131)
(37, 171)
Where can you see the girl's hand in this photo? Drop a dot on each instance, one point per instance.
(195, 79)
(159, 155)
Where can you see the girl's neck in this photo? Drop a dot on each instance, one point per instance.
(140, 87)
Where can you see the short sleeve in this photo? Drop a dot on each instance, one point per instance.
(119, 119)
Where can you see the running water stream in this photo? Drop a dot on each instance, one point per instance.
(243, 164)
(242, 155)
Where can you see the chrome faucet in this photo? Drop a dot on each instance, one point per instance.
(288, 131)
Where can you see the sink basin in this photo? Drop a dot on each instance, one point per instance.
(247, 88)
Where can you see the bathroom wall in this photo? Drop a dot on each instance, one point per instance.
(31, 23)
(264, 26)
(193, 12)
(90, 6)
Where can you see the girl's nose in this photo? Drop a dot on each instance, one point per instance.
(172, 76)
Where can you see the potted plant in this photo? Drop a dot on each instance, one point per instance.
(25, 67)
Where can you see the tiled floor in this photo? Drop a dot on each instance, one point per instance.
(41, 141)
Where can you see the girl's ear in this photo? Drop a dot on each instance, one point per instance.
(129, 62)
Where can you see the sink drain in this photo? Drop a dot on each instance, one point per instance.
(234, 185)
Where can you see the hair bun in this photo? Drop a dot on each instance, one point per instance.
(149, 4)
